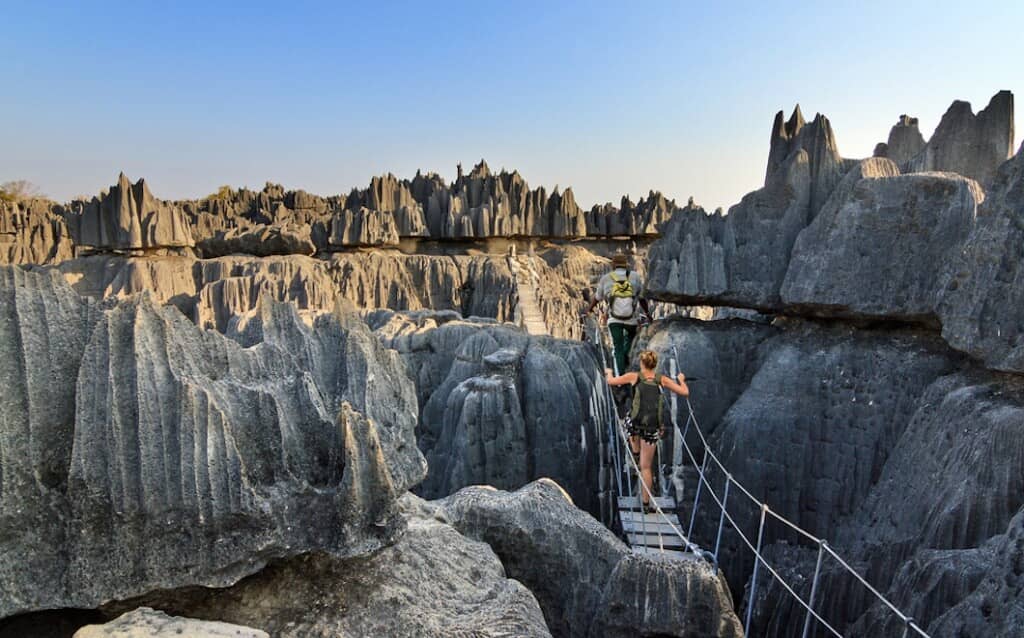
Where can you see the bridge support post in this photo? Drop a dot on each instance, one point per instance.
(721, 517)
(814, 589)
(753, 577)
(696, 498)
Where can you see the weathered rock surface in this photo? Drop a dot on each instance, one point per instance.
(44, 329)
(213, 291)
(877, 250)
(30, 233)
(128, 217)
(586, 580)
(148, 623)
(739, 259)
(825, 165)
(364, 227)
(887, 443)
(905, 141)
(431, 582)
(141, 452)
(500, 407)
(260, 240)
(982, 289)
(971, 145)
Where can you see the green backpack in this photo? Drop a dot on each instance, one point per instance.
(648, 401)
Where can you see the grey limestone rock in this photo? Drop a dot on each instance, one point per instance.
(739, 259)
(143, 453)
(31, 233)
(431, 582)
(971, 145)
(905, 141)
(501, 407)
(44, 329)
(364, 227)
(825, 165)
(878, 249)
(586, 580)
(128, 217)
(982, 287)
(260, 240)
(148, 623)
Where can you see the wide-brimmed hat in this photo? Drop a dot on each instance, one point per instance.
(620, 260)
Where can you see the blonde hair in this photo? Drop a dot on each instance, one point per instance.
(649, 359)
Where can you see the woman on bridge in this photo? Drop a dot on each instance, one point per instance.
(646, 425)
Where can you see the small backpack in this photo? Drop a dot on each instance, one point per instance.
(622, 298)
(648, 403)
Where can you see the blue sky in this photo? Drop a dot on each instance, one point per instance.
(610, 98)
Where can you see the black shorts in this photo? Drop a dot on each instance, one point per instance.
(646, 434)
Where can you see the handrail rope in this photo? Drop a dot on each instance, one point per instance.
(909, 621)
(746, 541)
(689, 545)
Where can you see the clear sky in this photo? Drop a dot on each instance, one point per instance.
(610, 98)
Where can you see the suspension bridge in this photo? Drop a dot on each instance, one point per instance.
(661, 531)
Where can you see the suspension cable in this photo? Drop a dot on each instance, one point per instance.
(908, 621)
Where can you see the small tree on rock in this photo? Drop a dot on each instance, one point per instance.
(18, 190)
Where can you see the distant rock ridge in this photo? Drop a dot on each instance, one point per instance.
(837, 238)
(128, 217)
(971, 145)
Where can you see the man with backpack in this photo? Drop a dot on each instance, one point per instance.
(621, 289)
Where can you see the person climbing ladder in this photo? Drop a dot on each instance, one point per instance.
(646, 425)
(621, 289)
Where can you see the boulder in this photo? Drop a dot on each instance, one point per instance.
(877, 249)
(586, 580)
(148, 623)
(431, 582)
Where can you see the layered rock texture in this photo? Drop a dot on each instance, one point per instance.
(586, 580)
(128, 217)
(140, 452)
(432, 582)
(864, 240)
(897, 449)
(498, 407)
(148, 623)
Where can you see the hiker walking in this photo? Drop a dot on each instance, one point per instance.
(621, 289)
(646, 425)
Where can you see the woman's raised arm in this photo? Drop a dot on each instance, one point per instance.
(622, 379)
(679, 388)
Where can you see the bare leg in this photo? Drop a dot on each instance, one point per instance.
(646, 463)
(634, 444)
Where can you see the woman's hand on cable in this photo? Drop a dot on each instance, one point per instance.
(681, 378)
(607, 373)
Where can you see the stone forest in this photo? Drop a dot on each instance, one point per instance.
(275, 413)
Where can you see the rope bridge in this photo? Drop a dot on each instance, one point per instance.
(668, 525)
